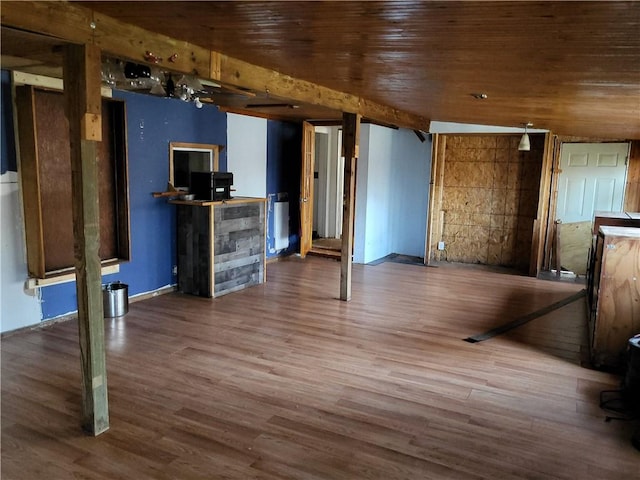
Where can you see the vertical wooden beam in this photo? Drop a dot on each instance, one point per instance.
(434, 217)
(350, 149)
(435, 220)
(553, 202)
(544, 199)
(82, 105)
(29, 168)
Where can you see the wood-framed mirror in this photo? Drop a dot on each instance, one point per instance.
(185, 158)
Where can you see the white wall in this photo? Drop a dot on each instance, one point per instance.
(247, 155)
(392, 193)
(320, 183)
(410, 177)
(328, 195)
(380, 191)
(362, 177)
(336, 190)
(452, 127)
(18, 308)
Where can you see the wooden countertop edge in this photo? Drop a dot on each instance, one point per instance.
(206, 203)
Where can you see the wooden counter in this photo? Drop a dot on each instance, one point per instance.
(221, 245)
(606, 219)
(615, 308)
(615, 219)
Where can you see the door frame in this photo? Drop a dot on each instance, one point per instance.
(552, 197)
(328, 199)
(306, 188)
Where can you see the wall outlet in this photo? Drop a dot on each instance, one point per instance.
(440, 245)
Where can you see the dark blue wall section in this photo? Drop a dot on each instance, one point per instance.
(284, 159)
(7, 145)
(152, 123)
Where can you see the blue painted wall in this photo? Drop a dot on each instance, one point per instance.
(284, 159)
(7, 145)
(152, 123)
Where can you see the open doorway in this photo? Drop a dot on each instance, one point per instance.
(591, 179)
(328, 191)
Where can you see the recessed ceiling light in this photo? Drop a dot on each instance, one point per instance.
(479, 96)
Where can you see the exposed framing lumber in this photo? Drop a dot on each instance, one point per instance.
(350, 146)
(83, 105)
(544, 198)
(81, 25)
(553, 201)
(30, 178)
(434, 219)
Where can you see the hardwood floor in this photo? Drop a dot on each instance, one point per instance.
(284, 381)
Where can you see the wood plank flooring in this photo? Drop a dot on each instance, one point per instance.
(284, 381)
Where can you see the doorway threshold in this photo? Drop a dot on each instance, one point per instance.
(399, 258)
(325, 252)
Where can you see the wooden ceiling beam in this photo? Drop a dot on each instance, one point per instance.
(125, 40)
(77, 24)
(80, 25)
(55, 19)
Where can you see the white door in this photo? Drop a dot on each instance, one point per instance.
(592, 178)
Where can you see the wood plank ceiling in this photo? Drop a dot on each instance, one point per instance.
(571, 67)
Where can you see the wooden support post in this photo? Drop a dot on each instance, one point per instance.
(82, 105)
(435, 218)
(350, 147)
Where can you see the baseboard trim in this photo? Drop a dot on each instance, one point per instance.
(74, 315)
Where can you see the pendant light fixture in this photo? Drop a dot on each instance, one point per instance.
(525, 145)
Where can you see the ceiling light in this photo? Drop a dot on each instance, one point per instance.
(525, 145)
(479, 96)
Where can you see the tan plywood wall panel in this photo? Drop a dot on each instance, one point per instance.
(575, 242)
(489, 199)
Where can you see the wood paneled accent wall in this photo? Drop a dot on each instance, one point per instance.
(485, 199)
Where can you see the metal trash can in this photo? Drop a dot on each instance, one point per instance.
(115, 299)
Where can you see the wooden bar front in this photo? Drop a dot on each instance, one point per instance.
(221, 245)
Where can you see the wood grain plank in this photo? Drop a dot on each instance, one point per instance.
(350, 151)
(283, 381)
(82, 95)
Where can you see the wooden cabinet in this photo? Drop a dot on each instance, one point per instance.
(221, 245)
(601, 219)
(615, 294)
(615, 219)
